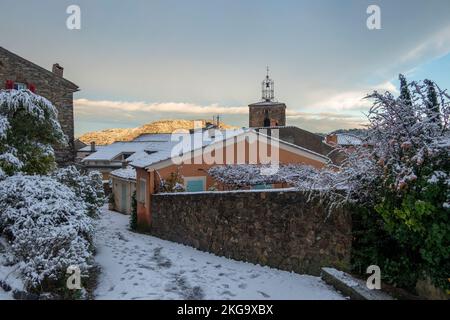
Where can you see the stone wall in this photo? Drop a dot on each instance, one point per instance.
(280, 229)
(56, 89)
(276, 113)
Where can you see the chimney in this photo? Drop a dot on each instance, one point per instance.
(331, 139)
(58, 70)
(124, 164)
(93, 146)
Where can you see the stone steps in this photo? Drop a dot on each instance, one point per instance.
(356, 289)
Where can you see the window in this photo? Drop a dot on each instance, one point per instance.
(266, 118)
(20, 86)
(262, 186)
(142, 190)
(195, 184)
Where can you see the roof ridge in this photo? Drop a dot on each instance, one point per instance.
(64, 80)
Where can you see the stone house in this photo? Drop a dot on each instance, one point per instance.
(19, 73)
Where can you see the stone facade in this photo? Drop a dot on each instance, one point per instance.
(280, 229)
(50, 85)
(267, 114)
(122, 191)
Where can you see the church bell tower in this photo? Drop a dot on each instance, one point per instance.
(268, 112)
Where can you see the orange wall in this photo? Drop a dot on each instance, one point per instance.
(143, 208)
(200, 170)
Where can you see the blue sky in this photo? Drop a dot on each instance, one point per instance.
(137, 61)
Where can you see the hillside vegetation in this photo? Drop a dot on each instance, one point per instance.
(163, 126)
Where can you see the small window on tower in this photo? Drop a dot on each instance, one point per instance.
(20, 86)
(266, 118)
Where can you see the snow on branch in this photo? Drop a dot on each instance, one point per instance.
(29, 129)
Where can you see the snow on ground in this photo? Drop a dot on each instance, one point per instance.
(137, 266)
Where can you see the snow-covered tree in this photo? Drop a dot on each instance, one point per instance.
(88, 188)
(404, 148)
(414, 157)
(405, 95)
(47, 219)
(29, 128)
(47, 226)
(399, 179)
(432, 102)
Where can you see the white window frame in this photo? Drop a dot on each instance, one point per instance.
(20, 86)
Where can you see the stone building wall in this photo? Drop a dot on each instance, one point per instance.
(275, 112)
(55, 88)
(280, 229)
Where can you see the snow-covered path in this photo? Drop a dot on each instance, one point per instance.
(136, 266)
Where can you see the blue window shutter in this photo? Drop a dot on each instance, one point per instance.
(195, 185)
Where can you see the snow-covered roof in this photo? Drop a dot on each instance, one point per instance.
(128, 173)
(143, 159)
(195, 142)
(348, 139)
(109, 152)
(343, 139)
(153, 137)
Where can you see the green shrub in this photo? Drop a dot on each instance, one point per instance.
(133, 216)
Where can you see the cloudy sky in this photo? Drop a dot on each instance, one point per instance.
(139, 60)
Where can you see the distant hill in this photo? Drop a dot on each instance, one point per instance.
(163, 126)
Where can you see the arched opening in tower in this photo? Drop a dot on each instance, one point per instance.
(266, 118)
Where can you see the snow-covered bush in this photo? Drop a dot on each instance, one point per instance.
(48, 228)
(29, 128)
(88, 188)
(410, 135)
